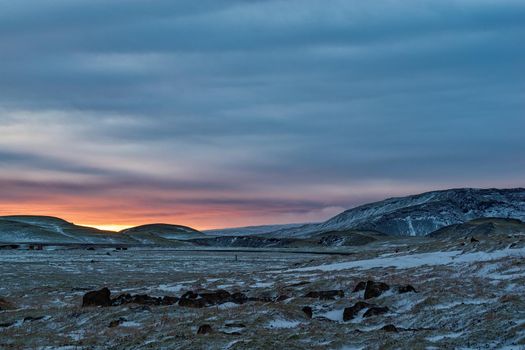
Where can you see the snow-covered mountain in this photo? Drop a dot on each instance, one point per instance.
(249, 230)
(421, 214)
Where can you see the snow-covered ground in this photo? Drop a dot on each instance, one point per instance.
(469, 296)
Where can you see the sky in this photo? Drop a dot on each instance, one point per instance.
(230, 113)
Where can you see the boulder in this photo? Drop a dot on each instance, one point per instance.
(359, 287)
(351, 312)
(97, 298)
(390, 328)
(406, 289)
(5, 305)
(204, 329)
(325, 294)
(376, 310)
(116, 323)
(308, 311)
(375, 289)
(215, 297)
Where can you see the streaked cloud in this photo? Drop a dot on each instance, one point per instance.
(224, 113)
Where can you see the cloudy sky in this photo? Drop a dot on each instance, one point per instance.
(226, 113)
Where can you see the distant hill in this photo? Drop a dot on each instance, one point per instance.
(421, 214)
(48, 229)
(249, 230)
(161, 233)
(482, 227)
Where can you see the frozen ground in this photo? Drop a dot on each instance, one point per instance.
(470, 296)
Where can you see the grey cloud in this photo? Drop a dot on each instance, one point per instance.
(255, 93)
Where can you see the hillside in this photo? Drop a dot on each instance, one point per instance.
(482, 227)
(47, 229)
(161, 233)
(421, 214)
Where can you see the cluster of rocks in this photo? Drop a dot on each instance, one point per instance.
(102, 297)
(372, 289)
(193, 299)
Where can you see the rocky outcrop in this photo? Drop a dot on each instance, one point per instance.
(350, 313)
(375, 289)
(97, 298)
(209, 298)
(376, 310)
(308, 311)
(205, 329)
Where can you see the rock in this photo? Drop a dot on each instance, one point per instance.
(351, 312)
(239, 298)
(235, 325)
(167, 300)
(5, 305)
(281, 297)
(190, 299)
(360, 286)
(31, 318)
(308, 311)
(473, 240)
(6, 324)
(97, 298)
(204, 329)
(125, 298)
(374, 311)
(90, 248)
(144, 299)
(116, 323)
(215, 297)
(406, 289)
(390, 328)
(325, 294)
(375, 289)
(198, 300)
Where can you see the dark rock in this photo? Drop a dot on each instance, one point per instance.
(6, 324)
(204, 329)
(167, 300)
(360, 286)
(144, 299)
(239, 298)
(97, 298)
(215, 297)
(406, 289)
(374, 311)
(375, 289)
(125, 298)
(390, 328)
(308, 311)
(473, 240)
(235, 325)
(90, 248)
(189, 295)
(31, 318)
(351, 312)
(195, 303)
(116, 323)
(325, 294)
(5, 305)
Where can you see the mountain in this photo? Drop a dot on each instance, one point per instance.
(482, 227)
(419, 215)
(48, 229)
(249, 230)
(161, 233)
